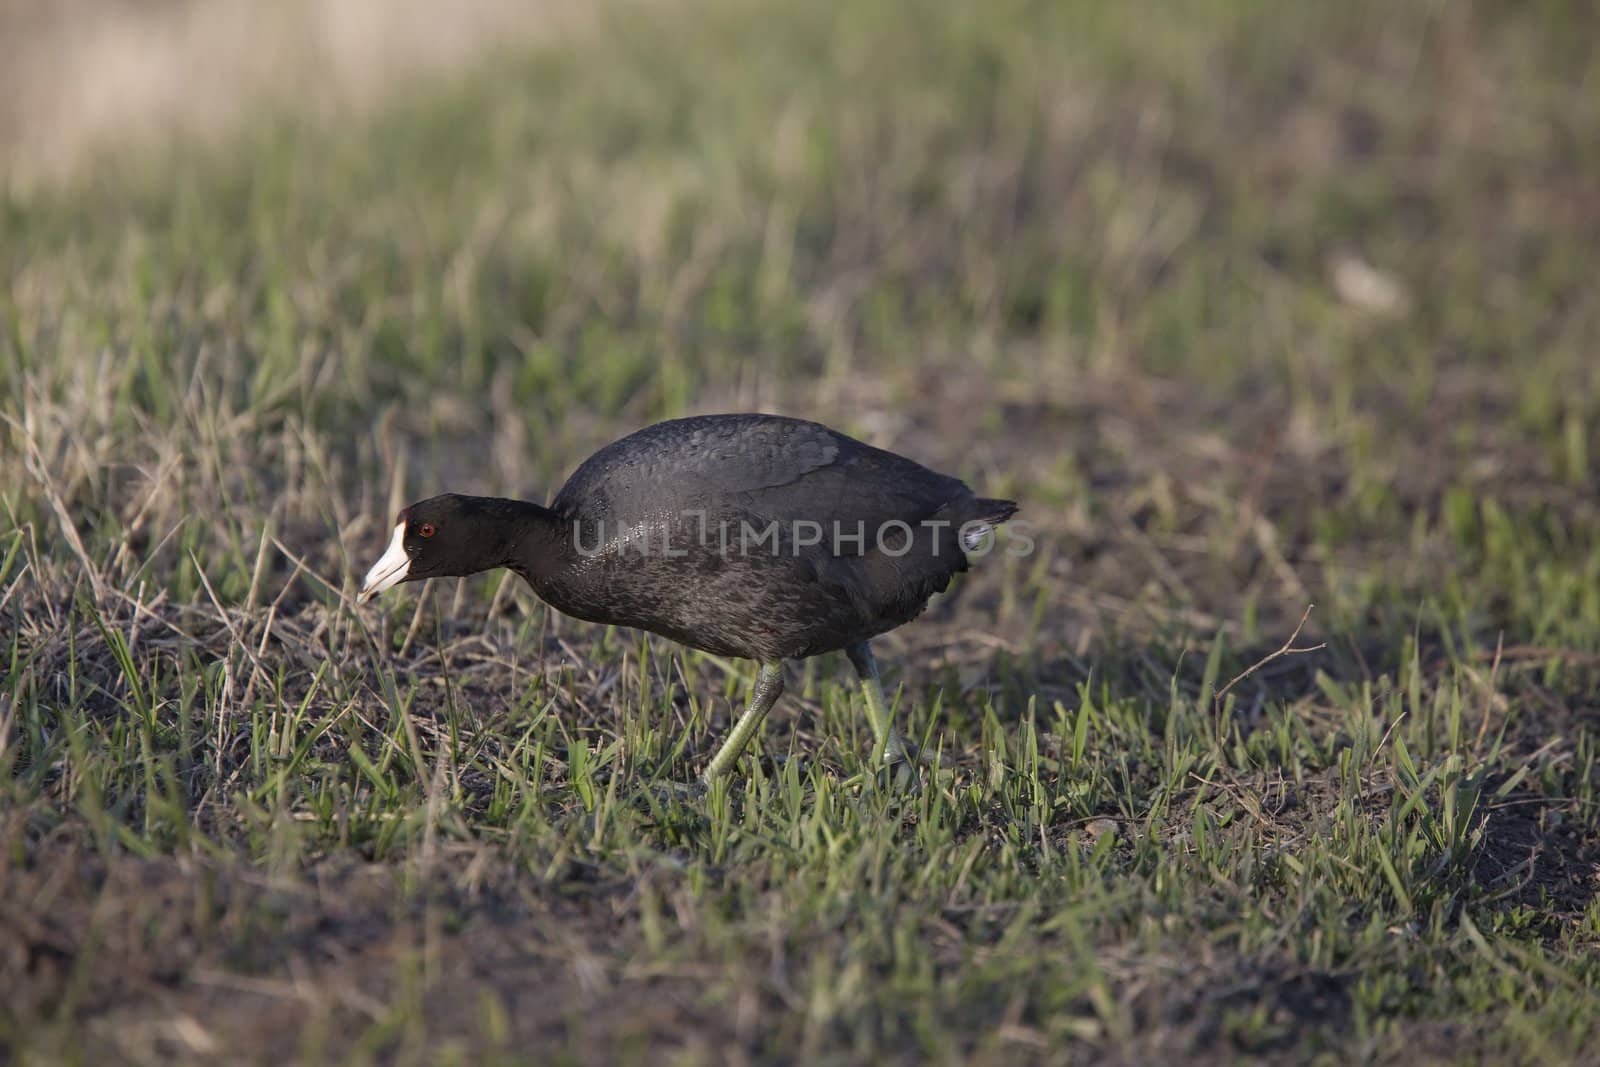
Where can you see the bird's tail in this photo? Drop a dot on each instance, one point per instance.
(980, 516)
(990, 510)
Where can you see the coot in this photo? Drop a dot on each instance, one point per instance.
(748, 535)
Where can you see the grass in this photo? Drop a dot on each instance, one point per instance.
(1095, 257)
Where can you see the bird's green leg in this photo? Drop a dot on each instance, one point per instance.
(769, 687)
(889, 746)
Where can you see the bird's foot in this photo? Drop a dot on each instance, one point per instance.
(900, 769)
(900, 775)
(670, 792)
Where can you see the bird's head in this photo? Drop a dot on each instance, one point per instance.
(442, 537)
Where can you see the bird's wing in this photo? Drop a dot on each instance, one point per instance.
(792, 472)
(767, 469)
(825, 503)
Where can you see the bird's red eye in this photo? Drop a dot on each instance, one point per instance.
(426, 529)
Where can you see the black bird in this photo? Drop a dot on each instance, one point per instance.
(757, 536)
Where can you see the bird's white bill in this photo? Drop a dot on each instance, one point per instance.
(389, 570)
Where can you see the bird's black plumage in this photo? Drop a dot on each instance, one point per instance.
(758, 536)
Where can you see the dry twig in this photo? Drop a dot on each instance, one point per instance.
(1286, 649)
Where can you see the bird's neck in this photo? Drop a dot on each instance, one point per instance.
(539, 541)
